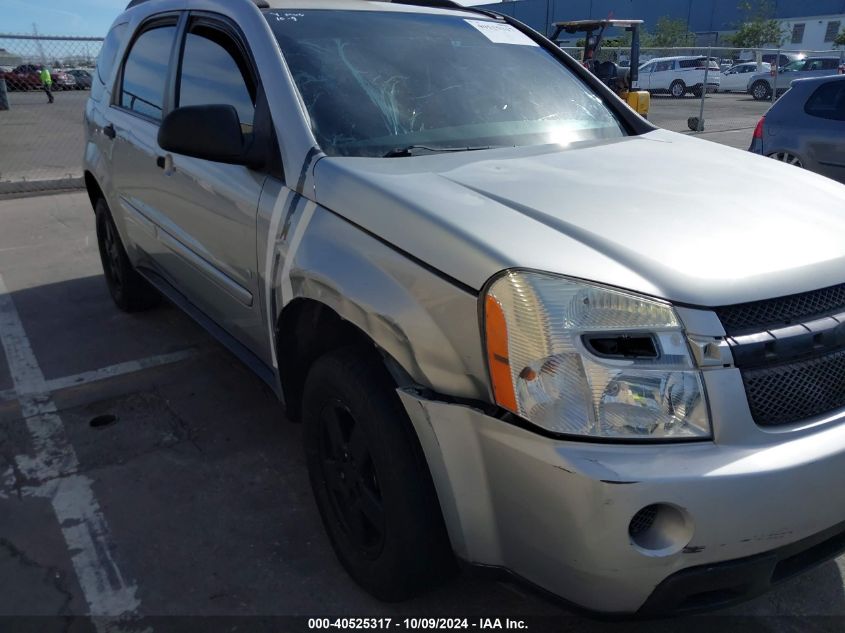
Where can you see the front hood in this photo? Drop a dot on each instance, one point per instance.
(663, 214)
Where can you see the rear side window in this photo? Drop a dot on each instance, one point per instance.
(145, 72)
(214, 72)
(828, 101)
(108, 53)
(662, 66)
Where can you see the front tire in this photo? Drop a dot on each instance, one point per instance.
(130, 291)
(678, 89)
(370, 479)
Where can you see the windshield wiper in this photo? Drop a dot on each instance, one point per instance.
(416, 150)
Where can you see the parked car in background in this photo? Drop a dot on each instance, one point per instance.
(735, 79)
(769, 58)
(28, 77)
(806, 127)
(760, 85)
(83, 78)
(680, 75)
(63, 80)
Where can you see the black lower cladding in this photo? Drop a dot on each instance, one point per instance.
(723, 584)
(792, 392)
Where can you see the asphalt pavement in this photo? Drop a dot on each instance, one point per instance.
(145, 472)
(42, 141)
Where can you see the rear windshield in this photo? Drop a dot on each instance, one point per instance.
(374, 81)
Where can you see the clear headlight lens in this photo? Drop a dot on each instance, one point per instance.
(581, 359)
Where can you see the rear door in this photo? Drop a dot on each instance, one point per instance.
(138, 104)
(824, 128)
(663, 74)
(822, 67)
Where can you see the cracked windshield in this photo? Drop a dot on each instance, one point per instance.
(386, 84)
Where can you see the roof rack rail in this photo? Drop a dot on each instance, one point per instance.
(261, 4)
(446, 4)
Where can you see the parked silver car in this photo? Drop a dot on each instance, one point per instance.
(806, 127)
(760, 85)
(398, 216)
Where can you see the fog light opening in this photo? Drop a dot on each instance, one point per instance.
(660, 529)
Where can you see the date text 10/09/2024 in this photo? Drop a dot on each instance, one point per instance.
(412, 624)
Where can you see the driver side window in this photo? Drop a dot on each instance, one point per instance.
(215, 72)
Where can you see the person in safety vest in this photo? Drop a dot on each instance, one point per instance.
(47, 81)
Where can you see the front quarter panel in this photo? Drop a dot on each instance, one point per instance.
(423, 321)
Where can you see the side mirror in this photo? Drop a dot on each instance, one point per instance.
(209, 132)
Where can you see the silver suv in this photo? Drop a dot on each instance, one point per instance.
(520, 325)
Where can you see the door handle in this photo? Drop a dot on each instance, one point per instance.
(166, 163)
(109, 131)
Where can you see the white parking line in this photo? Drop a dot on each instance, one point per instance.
(120, 369)
(54, 465)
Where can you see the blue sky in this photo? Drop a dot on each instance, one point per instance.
(60, 17)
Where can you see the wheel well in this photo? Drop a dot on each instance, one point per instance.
(307, 330)
(93, 188)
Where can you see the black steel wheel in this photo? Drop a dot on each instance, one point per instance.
(370, 478)
(129, 290)
(349, 474)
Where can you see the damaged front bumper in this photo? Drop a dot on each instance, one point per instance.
(559, 513)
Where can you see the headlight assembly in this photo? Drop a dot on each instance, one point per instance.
(581, 359)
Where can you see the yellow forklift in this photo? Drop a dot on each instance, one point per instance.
(623, 81)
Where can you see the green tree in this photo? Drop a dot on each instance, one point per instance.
(759, 28)
(840, 39)
(668, 33)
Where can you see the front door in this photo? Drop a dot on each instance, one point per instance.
(209, 209)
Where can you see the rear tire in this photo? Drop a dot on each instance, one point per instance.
(787, 157)
(678, 89)
(128, 289)
(370, 479)
(761, 91)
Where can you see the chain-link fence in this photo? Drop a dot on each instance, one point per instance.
(41, 132)
(741, 84)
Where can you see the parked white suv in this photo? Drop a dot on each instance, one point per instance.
(680, 75)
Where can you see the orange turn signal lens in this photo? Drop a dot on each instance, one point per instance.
(496, 330)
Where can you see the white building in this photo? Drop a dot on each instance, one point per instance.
(815, 33)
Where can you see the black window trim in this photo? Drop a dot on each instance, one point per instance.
(229, 28)
(814, 114)
(97, 75)
(172, 18)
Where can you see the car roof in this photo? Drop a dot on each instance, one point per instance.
(444, 7)
(811, 81)
(363, 5)
(676, 57)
